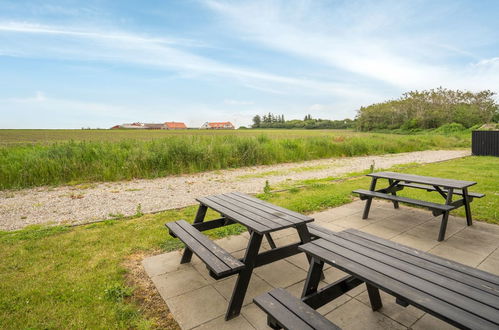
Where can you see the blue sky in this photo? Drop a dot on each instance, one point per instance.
(72, 64)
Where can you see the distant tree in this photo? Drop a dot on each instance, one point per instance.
(271, 120)
(429, 109)
(256, 121)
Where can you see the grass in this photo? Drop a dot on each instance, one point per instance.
(44, 157)
(74, 277)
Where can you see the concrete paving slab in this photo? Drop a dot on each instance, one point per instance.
(355, 315)
(428, 322)
(256, 287)
(337, 213)
(163, 263)
(197, 307)
(178, 282)
(333, 274)
(420, 243)
(384, 230)
(255, 316)
(404, 315)
(296, 290)
(273, 274)
(354, 221)
(239, 323)
(491, 263)
(462, 256)
(482, 247)
(233, 243)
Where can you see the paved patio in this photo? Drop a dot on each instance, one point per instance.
(198, 301)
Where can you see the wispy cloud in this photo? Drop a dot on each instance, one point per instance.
(357, 38)
(68, 43)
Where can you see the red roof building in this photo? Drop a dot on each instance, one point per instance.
(220, 125)
(174, 125)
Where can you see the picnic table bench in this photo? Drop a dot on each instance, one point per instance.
(447, 188)
(465, 297)
(259, 217)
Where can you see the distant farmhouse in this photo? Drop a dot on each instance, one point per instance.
(174, 125)
(167, 125)
(223, 125)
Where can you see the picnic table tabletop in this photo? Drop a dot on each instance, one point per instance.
(429, 180)
(255, 214)
(460, 295)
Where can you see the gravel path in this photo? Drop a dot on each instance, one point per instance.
(90, 202)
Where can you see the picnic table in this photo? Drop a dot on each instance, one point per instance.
(259, 217)
(447, 188)
(460, 295)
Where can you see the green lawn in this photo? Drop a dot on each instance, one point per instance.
(73, 277)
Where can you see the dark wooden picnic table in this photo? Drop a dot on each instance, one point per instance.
(447, 188)
(260, 218)
(460, 295)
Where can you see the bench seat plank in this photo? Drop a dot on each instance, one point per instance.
(430, 205)
(430, 188)
(291, 313)
(349, 262)
(216, 258)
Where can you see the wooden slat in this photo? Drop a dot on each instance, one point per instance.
(253, 213)
(409, 178)
(223, 255)
(249, 215)
(305, 312)
(430, 205)
(319, 231)
(347, 261)
(264, 210)
(402, 276)
(284, 316)
(216, 258)
(291, 312)
(430, 188)
(435, 281)
(276, 208)
(250, 223)
(490, 278)
(415, 258)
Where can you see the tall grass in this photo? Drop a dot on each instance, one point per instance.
(86, 161)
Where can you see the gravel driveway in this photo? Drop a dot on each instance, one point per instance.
(90, 202)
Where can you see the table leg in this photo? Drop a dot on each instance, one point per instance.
(305, 238)
(374, 297)
(394, 193)
(200, 215)
(313, 277)
(270, 240)
(243, 279)
(369, 199)
(466, 198)
(445, 217)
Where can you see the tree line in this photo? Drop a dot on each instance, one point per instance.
(271, 120)
(430, 109)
